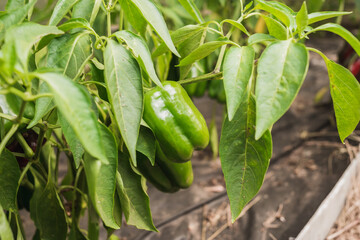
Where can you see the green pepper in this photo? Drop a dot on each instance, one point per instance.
(177, 124)
(217, 91)
(165, 175)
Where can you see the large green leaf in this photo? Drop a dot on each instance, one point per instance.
(133, 197)
(100, 177)
(191, 8)
(5, 229)
(75, 105)
(156, 20)
(238, 68)
(133, 15)
(345, 93)
(42, 105)
(179, 36)
(279, 10)
(319, 16)
(76, 148)
(278, 82)
(70, 53)
(87, 9)
(342, 32)
(9, 178)
(47, 210)
(61, 8)
(244, 160)
(203, 51)
(141, 52)
(30, 34)
(14, 17)
(14, 4)
(123, 79)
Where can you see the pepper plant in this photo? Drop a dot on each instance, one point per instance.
(86, 81)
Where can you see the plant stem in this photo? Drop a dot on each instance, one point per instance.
(108, 17)
(25, 146)
(222, 52)
(205, 77)
(39, 144)
(7, 137)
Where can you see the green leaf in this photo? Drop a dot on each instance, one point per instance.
(156, 20)
(76, 23)
(302, 18)
(30, 34)
(278, 82)
(70, 53)
(319, 16)
(76, 148)
(237, 25)
(134, 16)
(75, 105)
(238, 69)
(87, 9)
(342, 32)
(61, 8)
(179, 36)
(75, 233)
(123, 79)
(203, 51)
(146, 143)
(5, 229)
(47, 210)
(275, 28)
(192, 9)
(133, 197)
(244, 160)
(14, 4)
(260, 37)
(9, 177)
(279, 10)
(141, 52)
(345, 93)
(187, 47)
(100, 177)
(14, 17)
(42, 105)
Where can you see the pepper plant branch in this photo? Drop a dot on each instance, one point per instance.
(25, 146)
(7, 137)
(39, 144)
(205, 77)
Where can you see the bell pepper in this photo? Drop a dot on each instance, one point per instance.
(177, 124)
(165, 175)
(217, 91)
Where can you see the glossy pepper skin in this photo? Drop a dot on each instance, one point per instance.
(165, 175)
(177, 124)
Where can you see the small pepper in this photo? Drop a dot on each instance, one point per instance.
(165, 175)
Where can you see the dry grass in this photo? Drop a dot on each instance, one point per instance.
(347, 226)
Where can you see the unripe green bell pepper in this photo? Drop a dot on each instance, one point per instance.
(177, 124)
(165, 175)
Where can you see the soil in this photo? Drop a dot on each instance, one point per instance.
(308, 159)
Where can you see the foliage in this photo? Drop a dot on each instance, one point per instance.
(77, 84)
